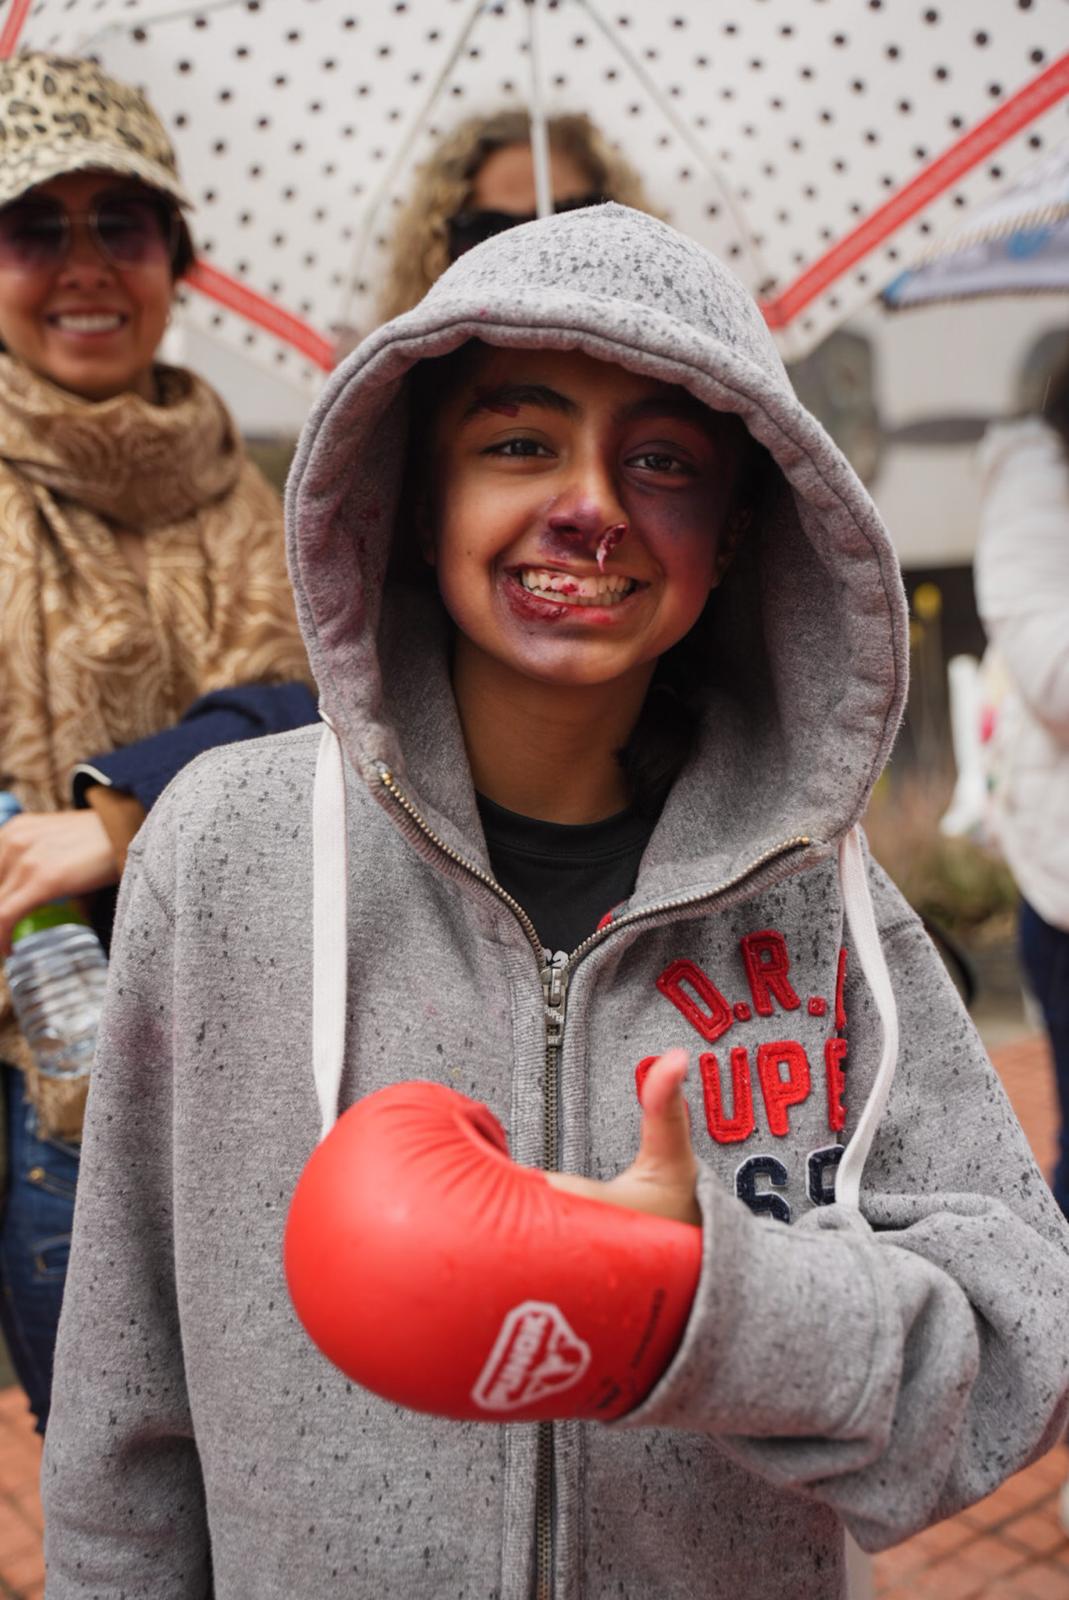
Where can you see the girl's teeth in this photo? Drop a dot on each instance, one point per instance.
(600, 591)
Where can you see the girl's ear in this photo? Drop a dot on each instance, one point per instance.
(423, 521)
(734, 527)
(748, 462)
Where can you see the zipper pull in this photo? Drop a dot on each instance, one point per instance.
(555, 990)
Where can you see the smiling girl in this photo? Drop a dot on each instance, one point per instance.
(579, 520)
(611, 647)
(146, 613)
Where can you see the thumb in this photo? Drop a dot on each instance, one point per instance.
(661, 1180)
(664, 1142)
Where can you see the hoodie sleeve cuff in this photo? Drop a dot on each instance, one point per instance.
(145, 768)
(786, 1330)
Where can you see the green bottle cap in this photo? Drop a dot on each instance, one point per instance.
(52, 915)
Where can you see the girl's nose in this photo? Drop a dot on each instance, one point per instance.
(577, 517)
(586, 510)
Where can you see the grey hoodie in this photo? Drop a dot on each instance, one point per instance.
(876, 1346)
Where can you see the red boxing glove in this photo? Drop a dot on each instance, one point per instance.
(436, 1272)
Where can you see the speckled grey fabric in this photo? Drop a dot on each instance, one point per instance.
(879, 1370)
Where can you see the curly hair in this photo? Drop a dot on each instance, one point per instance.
(419, 251)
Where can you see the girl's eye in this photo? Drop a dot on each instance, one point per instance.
(660, 461)
(517, 448)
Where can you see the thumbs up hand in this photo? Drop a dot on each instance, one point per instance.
(662, 1178)
(436, 1272)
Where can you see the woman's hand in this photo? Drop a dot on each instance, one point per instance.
(50, 856)
(663, 1176)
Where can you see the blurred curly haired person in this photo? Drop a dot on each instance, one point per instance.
(480, 180)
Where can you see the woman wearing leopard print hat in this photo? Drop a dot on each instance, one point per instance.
(146, 610)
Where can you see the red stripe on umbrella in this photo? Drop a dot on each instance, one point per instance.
(9, 37)
(255, 308)
(1044, 91)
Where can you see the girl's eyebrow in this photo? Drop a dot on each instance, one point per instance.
(674, 404)
(509, 397)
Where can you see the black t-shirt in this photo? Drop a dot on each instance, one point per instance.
(566, 876)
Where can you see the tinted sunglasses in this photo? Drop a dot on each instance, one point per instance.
(469, 228)
(129, 230)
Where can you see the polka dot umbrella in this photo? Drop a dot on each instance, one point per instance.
(816, 145)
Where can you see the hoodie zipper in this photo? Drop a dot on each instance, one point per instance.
(555, 992)
(554, 975)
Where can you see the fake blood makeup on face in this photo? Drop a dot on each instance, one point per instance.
(487, 400)
(577, 515)
(533, 607)
(579, 597)
(608, 542)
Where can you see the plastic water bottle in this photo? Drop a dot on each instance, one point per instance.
(56, 974)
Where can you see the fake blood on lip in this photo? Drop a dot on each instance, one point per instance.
(538, 607)
(533, 607)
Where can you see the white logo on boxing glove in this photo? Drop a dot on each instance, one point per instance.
(535, 1354)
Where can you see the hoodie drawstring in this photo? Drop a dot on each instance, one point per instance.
(330, 960)
(861, 921)
(330, 943)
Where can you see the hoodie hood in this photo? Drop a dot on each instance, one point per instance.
(807, 669)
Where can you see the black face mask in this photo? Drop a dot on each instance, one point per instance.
(470, 228)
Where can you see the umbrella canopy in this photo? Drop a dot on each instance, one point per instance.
(817, 147)
(1017, 245)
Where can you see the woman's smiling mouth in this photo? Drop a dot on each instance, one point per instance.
(87, 321)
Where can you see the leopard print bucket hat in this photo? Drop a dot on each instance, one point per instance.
(59, 115)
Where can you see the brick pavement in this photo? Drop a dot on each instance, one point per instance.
(1009, 1547)
(22, 1568)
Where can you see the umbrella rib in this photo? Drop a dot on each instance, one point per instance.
(178, 14)
(539, 140)
(992, 232)
(762, 274)
(402, 154)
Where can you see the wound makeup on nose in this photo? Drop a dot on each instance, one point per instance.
(608, 542)
(575, 517)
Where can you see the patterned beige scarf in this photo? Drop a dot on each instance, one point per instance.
(92, 656)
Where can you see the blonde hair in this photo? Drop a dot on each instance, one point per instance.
(419, 251)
